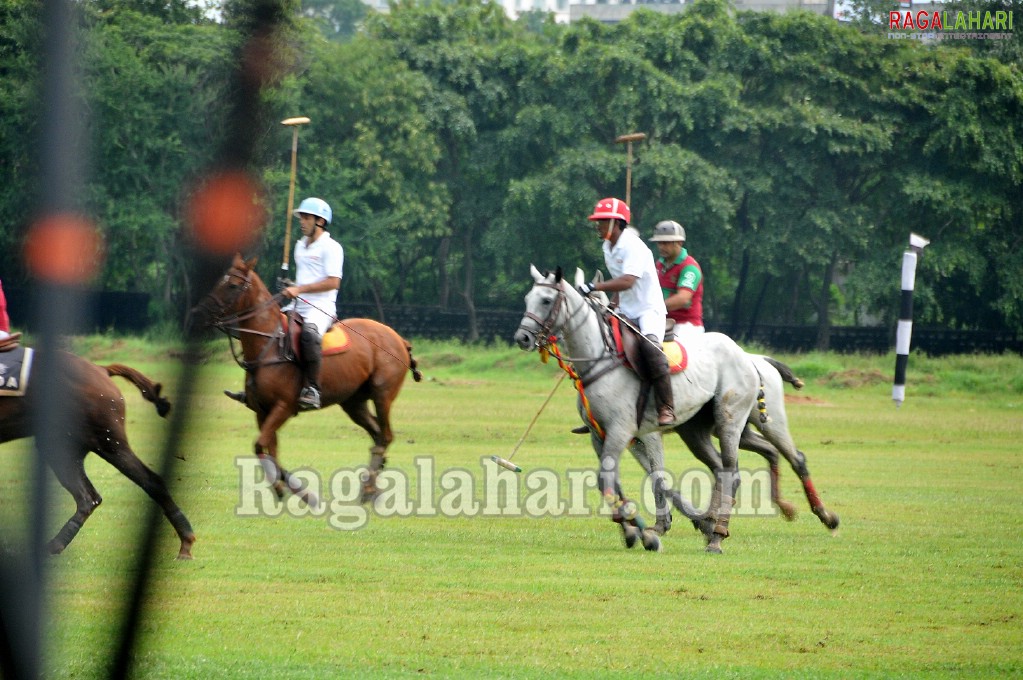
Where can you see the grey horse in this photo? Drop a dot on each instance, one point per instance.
(720, 377)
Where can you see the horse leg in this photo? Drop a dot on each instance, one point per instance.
(358, 410)
(756, 443)
(776, 431)
(609, 451)
(696, 434)
(648, 451)
(71, 475)
(266, 444)
(119, 454)
(730, 426)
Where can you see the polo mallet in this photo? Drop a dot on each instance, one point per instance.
(294, 124)
(628, 140)
(507, 462)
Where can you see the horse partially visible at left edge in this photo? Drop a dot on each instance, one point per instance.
(98, 407)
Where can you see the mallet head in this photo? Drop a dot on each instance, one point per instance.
(632, 137)
(300, 120)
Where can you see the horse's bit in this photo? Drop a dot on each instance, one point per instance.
(229, 323)
(543, 335)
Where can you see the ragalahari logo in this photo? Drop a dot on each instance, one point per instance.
(957, 25)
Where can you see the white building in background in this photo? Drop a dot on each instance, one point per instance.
(613, 11)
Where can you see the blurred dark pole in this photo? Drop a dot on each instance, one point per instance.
(57, 311)
(255, 67)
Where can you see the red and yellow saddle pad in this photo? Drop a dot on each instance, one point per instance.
(677, 356)
(336, 340)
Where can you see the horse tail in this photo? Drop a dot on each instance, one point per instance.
(785, 372)
(416, 374)
(150, 390)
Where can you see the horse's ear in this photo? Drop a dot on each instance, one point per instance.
(535, 273)
(557, 275)
(251, 264)
(580, 277)
(239, 261)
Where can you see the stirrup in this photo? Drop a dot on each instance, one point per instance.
(309, 399)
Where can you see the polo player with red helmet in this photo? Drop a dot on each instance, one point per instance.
(634, 282)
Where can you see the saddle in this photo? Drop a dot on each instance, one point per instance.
(335, 341)
(626, 340)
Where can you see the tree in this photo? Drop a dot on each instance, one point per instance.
(338, 20)
(370, 152)
(154, 91)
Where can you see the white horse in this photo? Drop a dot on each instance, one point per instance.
(770, 439)
(719, 377)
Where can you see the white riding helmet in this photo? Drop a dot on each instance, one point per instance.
(314, 206)
(669, 230)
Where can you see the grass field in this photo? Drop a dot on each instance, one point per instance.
(923, 579)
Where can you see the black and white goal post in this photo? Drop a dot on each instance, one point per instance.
(905, 328)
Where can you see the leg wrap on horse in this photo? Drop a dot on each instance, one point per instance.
(312, 355)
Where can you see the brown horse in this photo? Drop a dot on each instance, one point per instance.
(100, 407)
(371, 368)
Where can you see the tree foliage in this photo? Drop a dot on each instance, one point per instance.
(457, 147)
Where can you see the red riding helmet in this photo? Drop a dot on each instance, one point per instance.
(611, 209)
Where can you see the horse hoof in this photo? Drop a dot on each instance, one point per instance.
(788, 511)
(369, 495)
(832, 521)
(185, 551)
(630, 534)
(714, 548)
(651, 541)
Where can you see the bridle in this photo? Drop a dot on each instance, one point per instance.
(217, 310)
(545, 335)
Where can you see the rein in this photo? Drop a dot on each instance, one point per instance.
(552, 348)
(546, 341)
(230, 324)
(544, 335)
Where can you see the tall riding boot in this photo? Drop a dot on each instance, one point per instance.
(659, 373)
(312, 353)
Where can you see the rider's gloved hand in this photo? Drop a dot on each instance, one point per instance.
(586, 289)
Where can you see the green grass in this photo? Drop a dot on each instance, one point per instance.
(923, 578)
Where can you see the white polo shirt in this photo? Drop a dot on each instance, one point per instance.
(644, 300)
(322, 258)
